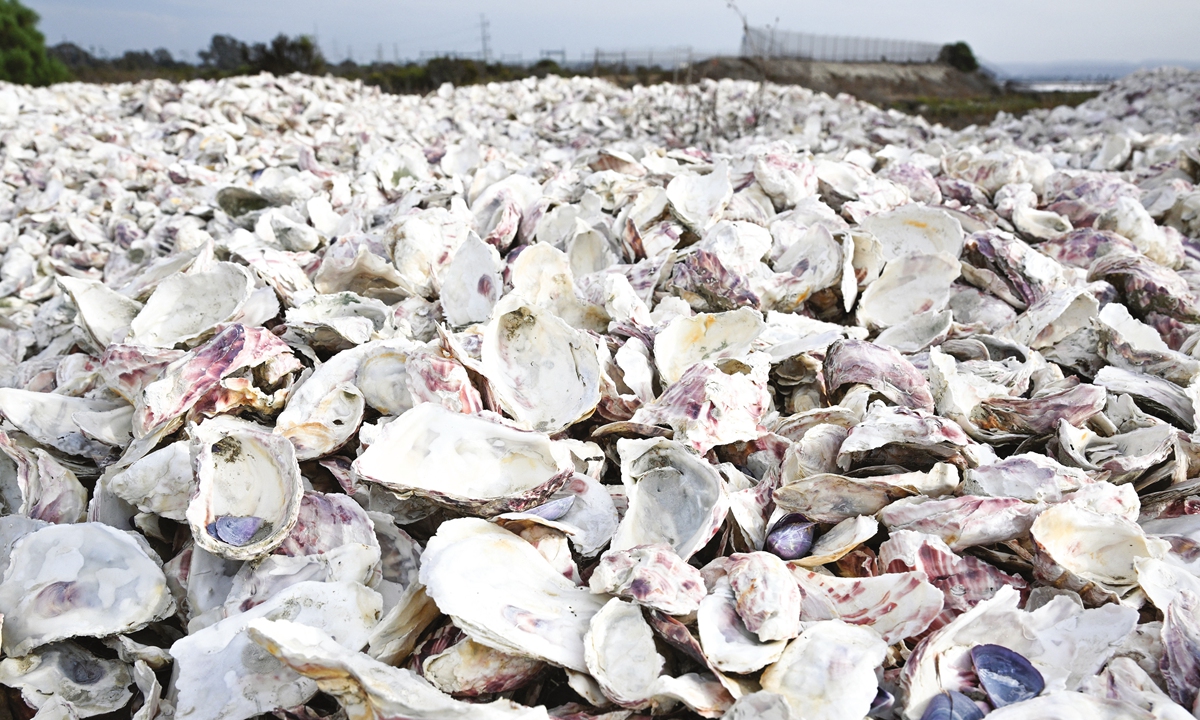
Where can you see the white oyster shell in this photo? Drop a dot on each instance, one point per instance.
(463, 461)
(768, 600)
(620, 654)
(544, 373)
(828, 673)
(67, 672)
(367, 688)
(915, 230)
(161, 483)
(686, 341)
(1098, 547)
(908, 286)
(503, 594)
(221, 674)
(674, 497)
(248, 488)
(728, 644)
(81, 580)
(186, 306)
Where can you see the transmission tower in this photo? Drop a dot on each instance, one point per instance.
(485, 38)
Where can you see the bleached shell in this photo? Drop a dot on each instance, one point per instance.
(726, 641)
(787, 179)
(185, 307)
(699, 200)
(424, 244)
(220, 673)
(828, 673)
(686, 341)
(768, 600)
(1029, 476)
(1071, 705)
(339, 320)
(895, 605)
(1153, 392)
(915, 230)
(80, 580)
(884, 426)
(368, 687)
(1099, 548)
(918, 332)
(674, 497)
(37, 486)
(963, 521)
(69, 673)
(49, 419)
(908, 285)
(104, 313)
(1181, 639)
(472, 283)
(463, 461)
(649, 575)
(503, 594)
(161, 483)
(1053, 318)
(325, 410)
(544, 373)
(839, 540)
(621, 656)
(248, 488)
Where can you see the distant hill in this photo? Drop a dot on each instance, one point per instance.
(1079, 69)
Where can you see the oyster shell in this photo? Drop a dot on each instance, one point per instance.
(503, 594)
(728, 644)
(909, 285)
(828, 672)
(79, 580)
(652, 576)
(220, 672)
(544, 373)
(674, 497)
(366, 687)
(686, 341)
(66, 672)
(248, 489)
(463, 461)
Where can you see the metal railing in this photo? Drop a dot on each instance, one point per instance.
(773, 43)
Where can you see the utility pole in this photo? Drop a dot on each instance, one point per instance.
(484, 37)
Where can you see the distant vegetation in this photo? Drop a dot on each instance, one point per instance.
(959, 56)
(23, 57)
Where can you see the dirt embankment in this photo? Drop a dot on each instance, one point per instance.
(878, 83)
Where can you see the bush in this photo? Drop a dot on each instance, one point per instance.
(23, 57)
(959, 56)
(287, 55)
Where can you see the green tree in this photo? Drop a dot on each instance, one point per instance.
(23, 57)
(959, 56)
(287, 55)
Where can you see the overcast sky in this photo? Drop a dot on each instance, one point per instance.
(1000, 31)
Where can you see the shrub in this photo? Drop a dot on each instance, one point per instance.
(23, 57)
(959, 56)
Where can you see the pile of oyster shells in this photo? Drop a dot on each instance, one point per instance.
(554, 399)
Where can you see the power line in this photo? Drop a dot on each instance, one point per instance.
(484, 37)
